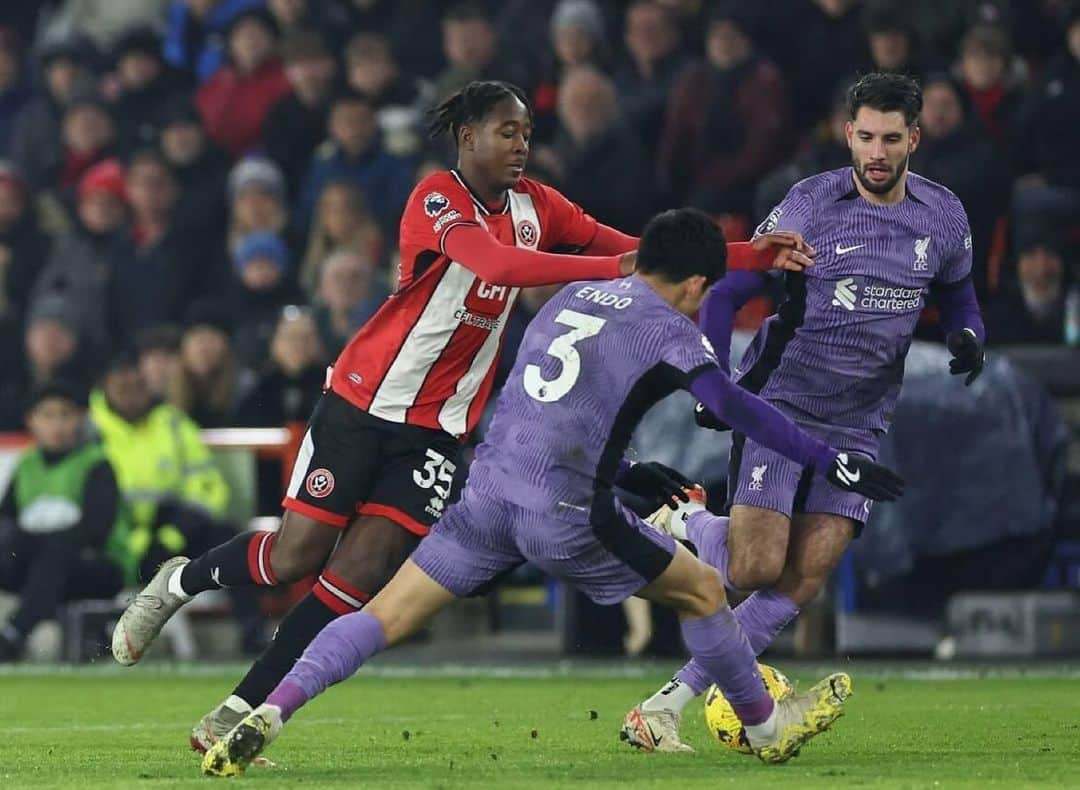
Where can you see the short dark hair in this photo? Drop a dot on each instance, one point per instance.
(467, 11)
(886, 92)
(61, 389)
(681, 243)
(473, 103)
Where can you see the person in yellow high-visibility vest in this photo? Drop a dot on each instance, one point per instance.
(175, 493)
(165, 471)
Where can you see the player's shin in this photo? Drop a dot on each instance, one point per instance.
(764, 615)
(709, 534)
(240, 562)
(326, 602)
(720, 648)
(336, 653)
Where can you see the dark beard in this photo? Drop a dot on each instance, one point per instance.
(883, 188)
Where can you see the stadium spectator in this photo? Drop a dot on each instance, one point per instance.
(52, 349)
(196, 32)
(63, 531)
(1049, 167)
(175, 493)
(958, 152)
(1031, 306)
(577, 38)
(832, 30)
(355, 153)
(200, 167)
(102, 21)
(168, 266)
(158, 350)
(891, 39)
(256, 200)
(291, 379)
(413, 25)
(144, 84)
(23, 247)
(210, 384)
(294, 16)
(596, 159)
(67, 67)
(400, 99)
(828, 150)
(296, 125)
(991, 81)
(80, 264)
(235, 101)
(15, 90)
(263, 288)
(727, 122)
(342, 221)
(88, 134)
(653, 59)
(471, 46)
(349, 293)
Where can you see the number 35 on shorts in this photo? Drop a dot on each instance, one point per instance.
(436, 474)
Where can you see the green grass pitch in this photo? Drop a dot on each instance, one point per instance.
(128, 729)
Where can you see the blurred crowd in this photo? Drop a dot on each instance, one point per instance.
(215, 185)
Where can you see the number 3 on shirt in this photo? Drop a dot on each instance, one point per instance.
(562, 348)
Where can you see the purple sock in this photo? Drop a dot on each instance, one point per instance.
(709, 534)
(720, 648)
(695, 677)
(761, 616)
(335, 654)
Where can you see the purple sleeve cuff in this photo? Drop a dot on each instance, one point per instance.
(750, 415)
(717, 318)
(960, 308)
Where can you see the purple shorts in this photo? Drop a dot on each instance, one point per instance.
(759, 477)
(609, 553)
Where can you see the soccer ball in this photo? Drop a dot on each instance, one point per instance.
(725, 725)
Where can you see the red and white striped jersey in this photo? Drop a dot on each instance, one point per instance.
(427, 357)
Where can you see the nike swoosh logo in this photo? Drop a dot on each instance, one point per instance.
(845, 250)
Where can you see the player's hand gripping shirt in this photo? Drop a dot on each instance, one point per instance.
(835, 350)
(427, 357)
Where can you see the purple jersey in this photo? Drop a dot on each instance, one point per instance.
(592, 362)
(835, 351)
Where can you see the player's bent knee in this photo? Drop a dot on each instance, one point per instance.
(755, 570)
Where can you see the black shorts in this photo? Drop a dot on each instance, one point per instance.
(351, 463)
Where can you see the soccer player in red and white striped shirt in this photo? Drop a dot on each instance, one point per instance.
(377, 465)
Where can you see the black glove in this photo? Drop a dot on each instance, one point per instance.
(968, 354)
(706, 419)
(859, 474)
(655, 481)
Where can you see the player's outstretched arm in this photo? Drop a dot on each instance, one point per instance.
(766, 425)
(500, 264)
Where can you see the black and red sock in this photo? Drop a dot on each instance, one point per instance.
(330, 598)
(240, 562)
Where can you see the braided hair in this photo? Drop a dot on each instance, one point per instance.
(472, 103)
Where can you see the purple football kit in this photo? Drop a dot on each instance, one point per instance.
(595, 358)
(832, 358)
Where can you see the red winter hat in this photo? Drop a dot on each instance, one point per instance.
(107, 176)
